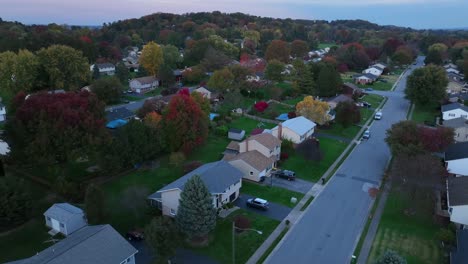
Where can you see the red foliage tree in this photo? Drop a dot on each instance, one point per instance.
(391, 45)
(291, 115)
(342, 68)
(373, 52)
(277, 50)
(436, 139)
(261, 106)
(185, 123)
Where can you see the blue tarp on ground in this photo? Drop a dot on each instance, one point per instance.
(116, 123)
(282, 117)
(212, 116)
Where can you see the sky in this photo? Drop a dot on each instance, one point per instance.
(419, 14)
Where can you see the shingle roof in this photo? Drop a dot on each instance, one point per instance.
(371, 76)
(233, 145)
(267, 140)
(145, 80)
(457, 191)
(63, 212)
(217, 176)
(253, 158)
(299, 124)
(460, 253)
(99, 244)
(105, 65)
(453, 106)
(456, 122)
(352, 86)
(341, 98)
(235, 130)
(457, 151)
(119, 113)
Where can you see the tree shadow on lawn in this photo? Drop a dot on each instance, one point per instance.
(310, 150)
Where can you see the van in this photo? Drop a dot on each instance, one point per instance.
(378, 115)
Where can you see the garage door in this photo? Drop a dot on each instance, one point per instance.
(55, 225)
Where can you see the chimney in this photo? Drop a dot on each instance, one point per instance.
(280, 130)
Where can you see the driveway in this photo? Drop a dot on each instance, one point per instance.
(145, 256)
(276, 211)
(298, 185)
(329, 229)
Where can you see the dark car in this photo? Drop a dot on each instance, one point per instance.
(286, 174)
(258, 203)
(136, 235)
(366, 104)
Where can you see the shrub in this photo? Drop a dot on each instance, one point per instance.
(261, 106)
(190, 166)
(176, 158)
(284, 156)
(221, 131)
(292, 115)
(242, 222)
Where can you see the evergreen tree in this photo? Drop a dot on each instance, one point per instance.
(328, 81)
(94, 204)
(306, 83)
(162, 235)
(96, 73)
(122, 72)
(15, 202)
(196, 216)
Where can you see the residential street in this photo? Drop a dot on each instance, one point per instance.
(331, 226)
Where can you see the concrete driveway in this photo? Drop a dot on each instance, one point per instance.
(298, 185)
(276, 211)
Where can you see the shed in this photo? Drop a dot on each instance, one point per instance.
(65, 218)
(236, 134)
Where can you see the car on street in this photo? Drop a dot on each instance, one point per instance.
(378, 115)
(366, 134)
(258, 203)
(369, 89)
(136, 235)
(285, 174)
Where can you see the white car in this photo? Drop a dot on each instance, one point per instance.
(366, 134)
(378, 115)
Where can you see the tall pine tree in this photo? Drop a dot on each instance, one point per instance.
(196, 215)
(306, 83)
(329, 81)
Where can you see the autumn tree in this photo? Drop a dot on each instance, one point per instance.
(347, 113)
(277, 50)
(7, 83)
(214, 60)
(353, 55)
(427, 86)
(194, 74)
(18, 72)
(436, 54)
(403, 56)
(163, 237)
(63, 67)
(299, 48)
(94, 204)
(314, 110)
(403, 138)
(108, 90)
(221, 80)
(196, 216)
(151, 105)
(274, 70)
(152, 58)
(185, 124)
(436, 139)
(153, 120)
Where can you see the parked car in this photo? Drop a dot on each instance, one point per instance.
(369, 89)
(285, 174)
(258, 203)
(366, 104)
(378, 115)
(366, 134)
(136, 235)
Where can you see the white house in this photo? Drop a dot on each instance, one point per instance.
(366, 78)
(2, 112)
(221, 178)
(65, 218)
(380, 65)
(143, 84)
(454, 110)
(375, 70)
(203, 91)
(296, 129)
(104, 68)
(97, 244)
(457, 199)
(456, 159)
(452, 70)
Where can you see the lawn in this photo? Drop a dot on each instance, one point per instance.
(378, 85)
(246, 242)
(248, 124)
(411, 236)
(338, 130)
(373, 99)
(212, 150)
(422, 114)
(271, 193)
(294, 101)
(313, 170)
(273, 111)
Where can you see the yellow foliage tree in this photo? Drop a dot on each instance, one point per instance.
(151, 58)
(314, 110)
(152, 120)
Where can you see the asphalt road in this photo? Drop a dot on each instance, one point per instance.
(330, 228)
(275, 211)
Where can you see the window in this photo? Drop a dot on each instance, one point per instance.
(172, 211)
(251, 173)
(451, 114)
(48, 218)
(62, 225)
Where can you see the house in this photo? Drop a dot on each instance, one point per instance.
(65, 218)
(117, 117)
(459, 254)
(351, 89)
(450, 65)
(457, 199)
(221, 178)
(456, 159)
(367, 78)
(2, 112)
(380, 65)
(104, 68)
(375, 70)
(333, 102)
(460, 126)
(454, 110)
(256, 156)
(452, 70)
(143, 84)
(236, 134)
(295, 129)
(203, 91)
(99, 244)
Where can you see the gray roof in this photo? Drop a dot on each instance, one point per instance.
(99, 244)
(457, 151)
(63, 212)
(460, 253)
(457, 194)
(371, 76)
(105, 65)
(456, 122)
(235, 130)
(119, 113)
(453, 106)
(217, 176)
(145, 80)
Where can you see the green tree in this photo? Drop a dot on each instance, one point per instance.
(166, 76)
(391, 257)
(63, 67)
(347, 113)
(108, 90)
(95, 204)
(26, 71)
(16, 202)
(305, 82)
(427, 86)
(202, 102)
(152, 58)
(7, 72)
(172, 56)
(329, 81)
(221, 80)
(274, 71)
(436, 54)
(122, 72)
(163, 237)
(96, 74)
(196, 216)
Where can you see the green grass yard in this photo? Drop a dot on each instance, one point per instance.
(421, 114)
(212, 150)
(378, 85)
(271, 193)
(411, 236)
(248, 124)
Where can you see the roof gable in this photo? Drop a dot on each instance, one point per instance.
(63, 212)
(267, 140)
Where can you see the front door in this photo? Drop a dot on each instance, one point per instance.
(232, 197)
